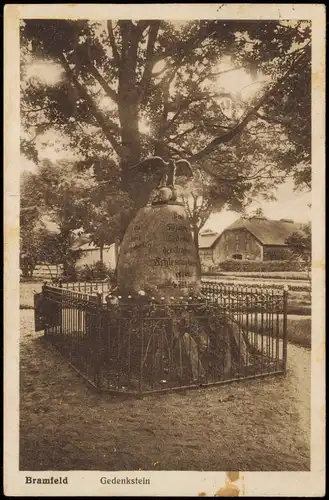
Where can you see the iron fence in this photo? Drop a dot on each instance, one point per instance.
(86, 287)
(140, 346)
(260, 311)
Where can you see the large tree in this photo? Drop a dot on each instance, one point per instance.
(118, 75)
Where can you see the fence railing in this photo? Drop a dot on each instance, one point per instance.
(137, 347)
(87, 287)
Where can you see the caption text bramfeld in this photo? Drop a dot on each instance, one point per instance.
(46, 480)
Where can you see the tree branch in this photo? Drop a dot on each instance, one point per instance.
(108, 90)
(189, 45)
(188, 131)
(35, 110)
(283, 121)
(104, 124)
(142, 25)
(149, 63)
(248, 115)
(181, 50)
(184, 105)
(116, 56)
(218, 73)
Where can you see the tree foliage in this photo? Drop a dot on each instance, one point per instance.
(52, 209)
(117, 76)
(300, 244)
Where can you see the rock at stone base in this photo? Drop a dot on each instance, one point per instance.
(227, 362)
(158, 254)
(231, 343)
(192, 353)
(239, 343)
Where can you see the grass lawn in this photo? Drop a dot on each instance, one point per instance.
(299, 328)
(256, 425)
(27, 290)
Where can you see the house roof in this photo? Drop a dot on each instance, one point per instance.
(267, 231)
(207, 238)
(83, 242)
(80, 242)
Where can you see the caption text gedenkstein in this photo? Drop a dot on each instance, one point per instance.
(125, 480)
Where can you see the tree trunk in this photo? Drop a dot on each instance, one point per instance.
(25, 269)
(196, 231)
(31, 272)
(116, 251)
(128, 105)
(101, 252)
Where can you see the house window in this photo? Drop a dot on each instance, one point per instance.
(237, 242)
(206, 253)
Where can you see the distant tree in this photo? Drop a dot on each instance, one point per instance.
(206, 197)
(300, 246)
(239, 161)
(54, 194)
(107, 206)
(29, 250)
(258, 212)
(56, 249)
(76, 200)
(31, 228)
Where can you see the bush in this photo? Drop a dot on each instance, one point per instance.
(94, 272)
(260, 266)
(70, 273)
(277, 254)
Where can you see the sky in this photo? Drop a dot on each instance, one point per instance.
(289, 204)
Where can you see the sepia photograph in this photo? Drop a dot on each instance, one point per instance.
(165, 238)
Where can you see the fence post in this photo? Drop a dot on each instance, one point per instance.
(44, 308)
(98, 358)
(285, 332)
(60, 307)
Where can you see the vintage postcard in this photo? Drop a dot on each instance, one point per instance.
(164, 250)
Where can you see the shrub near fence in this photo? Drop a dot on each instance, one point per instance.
(88, 287)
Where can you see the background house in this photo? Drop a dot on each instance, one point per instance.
(92, 253)
(207, 240)
(257, 238)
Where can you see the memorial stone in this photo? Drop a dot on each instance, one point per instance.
(158, 254)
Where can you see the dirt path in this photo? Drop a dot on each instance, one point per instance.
(259, 425)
